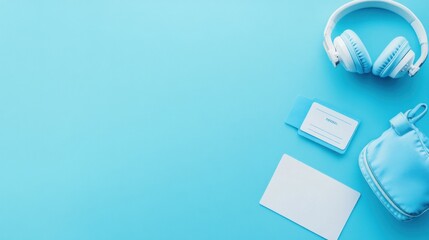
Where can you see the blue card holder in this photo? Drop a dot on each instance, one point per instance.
(332, 140)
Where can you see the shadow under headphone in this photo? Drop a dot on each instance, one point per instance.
(397, 58)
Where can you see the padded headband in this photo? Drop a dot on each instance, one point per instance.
(389, 5)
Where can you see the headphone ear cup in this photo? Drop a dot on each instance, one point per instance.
(392, 57)
(344, 56)
(404, 65)
(352, 52)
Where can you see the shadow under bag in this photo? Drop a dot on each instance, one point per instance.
(396, 166)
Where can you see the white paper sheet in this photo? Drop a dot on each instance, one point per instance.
(309, 198)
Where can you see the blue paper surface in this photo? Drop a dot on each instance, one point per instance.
(164, 120)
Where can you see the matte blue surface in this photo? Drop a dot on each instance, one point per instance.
(164, 120)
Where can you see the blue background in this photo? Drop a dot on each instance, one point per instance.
(164, 119)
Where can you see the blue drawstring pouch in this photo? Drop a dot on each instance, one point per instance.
(396, 166)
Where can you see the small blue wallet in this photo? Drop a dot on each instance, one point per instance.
(322, 124)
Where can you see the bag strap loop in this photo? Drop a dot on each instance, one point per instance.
(400, 124)
(403, 123)
(417, 112)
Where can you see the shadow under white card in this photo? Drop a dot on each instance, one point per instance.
(309, 198)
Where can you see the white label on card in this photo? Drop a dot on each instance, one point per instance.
(329, 126)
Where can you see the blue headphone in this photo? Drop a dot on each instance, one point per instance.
(397, 58)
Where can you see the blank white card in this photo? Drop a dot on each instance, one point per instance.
(309, 198)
